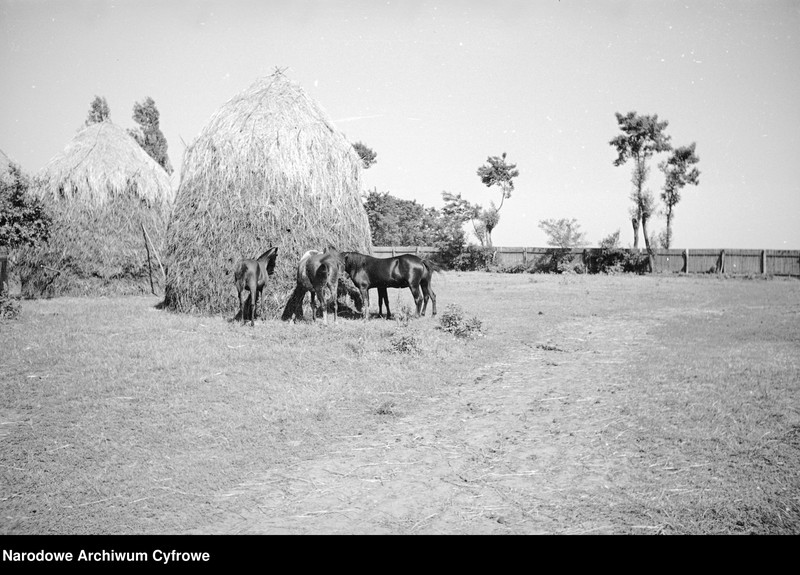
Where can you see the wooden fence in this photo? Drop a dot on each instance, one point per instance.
(766, 262)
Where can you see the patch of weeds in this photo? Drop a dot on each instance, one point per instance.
(387, 408)
(9, 308)
(403, 317)
(453, 321)
(404, 343)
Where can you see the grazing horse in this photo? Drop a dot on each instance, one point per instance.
(251, 275)
(318, 273)
(402, 271)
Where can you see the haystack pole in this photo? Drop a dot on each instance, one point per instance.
(269, 169)
(99, 190)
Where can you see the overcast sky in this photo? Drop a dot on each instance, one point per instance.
(436, 87)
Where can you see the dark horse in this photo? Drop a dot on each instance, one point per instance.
(251, 275)
(402, 271)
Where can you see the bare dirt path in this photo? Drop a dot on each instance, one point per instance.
(527, 445)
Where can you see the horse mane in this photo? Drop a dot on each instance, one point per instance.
(354, 260)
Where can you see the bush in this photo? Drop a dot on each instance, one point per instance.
(9, 308)
(452, 321)
(404, 343)
(23, 220)
(473, 258)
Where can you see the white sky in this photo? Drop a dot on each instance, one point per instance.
(437, 87)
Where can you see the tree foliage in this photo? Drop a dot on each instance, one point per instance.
(679, 171)
(563, 233)
(148, 135)
(23, 219)
(496, 172)
(367, 155)
(642, 137)
(98, 111)
(397, 222)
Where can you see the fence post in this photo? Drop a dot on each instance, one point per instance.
(525, 257)
(686, 261)
(392, 251)
(763, 262)
(721, 262)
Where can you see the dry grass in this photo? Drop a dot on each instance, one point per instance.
(590, 405)
(268, 170)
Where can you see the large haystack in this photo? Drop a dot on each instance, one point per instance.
(99, 191)
(268, 170)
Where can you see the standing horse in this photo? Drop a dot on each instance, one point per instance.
(402, 271)
(318, 273)
(251, 275)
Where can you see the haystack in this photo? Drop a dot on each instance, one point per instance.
(268, 170)
(100, 191)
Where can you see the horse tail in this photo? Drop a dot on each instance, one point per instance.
(431, 266)
(322, 274)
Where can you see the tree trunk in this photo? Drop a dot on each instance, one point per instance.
(650, 258)
(668, 238)
(635, 224)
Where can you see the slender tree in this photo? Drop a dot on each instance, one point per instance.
(98, 111)
(496, 172)
(367, 155)
(642, 137)
(679, 171)
(563, 233)
(148, 135)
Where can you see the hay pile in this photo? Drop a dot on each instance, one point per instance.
(99, 191)
(268, 170)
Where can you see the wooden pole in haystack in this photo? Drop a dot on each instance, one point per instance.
(149, 265)
(155, 253)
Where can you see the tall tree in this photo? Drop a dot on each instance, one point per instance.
(679, 171)
(367, 155)
(642, 137)
(148, 135)
(98, 111)
(497, 172)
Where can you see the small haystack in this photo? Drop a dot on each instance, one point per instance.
(100, 191)
(268, 170)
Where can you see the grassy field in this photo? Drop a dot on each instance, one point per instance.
(602, 404)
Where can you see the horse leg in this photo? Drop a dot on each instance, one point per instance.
(321, 297)
(241, 304)
(417, 296)
(365, 302)
(253, 289)
(429, 293)
(313, 306)
(383, 296)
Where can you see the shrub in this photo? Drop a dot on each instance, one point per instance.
(404, 343)
(452, 321)
(473, 258)
(9, 308)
